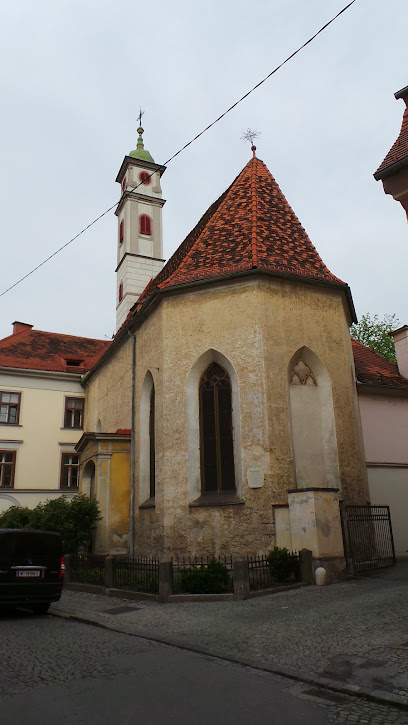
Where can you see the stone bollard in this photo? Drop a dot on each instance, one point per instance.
(241, 579)
(320, 576)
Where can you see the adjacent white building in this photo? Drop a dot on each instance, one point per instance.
(41, 413)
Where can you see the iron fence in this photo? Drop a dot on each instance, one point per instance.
(265, 572)
(139, 574)
(87, 569)
(203, 575)
(367, 535)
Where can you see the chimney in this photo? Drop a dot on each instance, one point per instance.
(20, 327)
(400, 338)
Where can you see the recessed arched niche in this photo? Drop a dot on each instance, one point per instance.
(313, 429)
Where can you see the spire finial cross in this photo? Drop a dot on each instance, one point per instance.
(141, 113)
(250, 135)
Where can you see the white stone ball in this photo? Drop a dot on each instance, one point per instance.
(320, 576)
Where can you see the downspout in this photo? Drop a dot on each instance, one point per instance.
(132, 453)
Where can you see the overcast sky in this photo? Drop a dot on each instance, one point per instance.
(73, 76)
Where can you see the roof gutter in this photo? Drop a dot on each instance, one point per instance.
(376, 389)
(391, 169)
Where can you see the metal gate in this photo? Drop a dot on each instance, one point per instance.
(367, 536)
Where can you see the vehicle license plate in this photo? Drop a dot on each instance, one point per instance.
(28, 572)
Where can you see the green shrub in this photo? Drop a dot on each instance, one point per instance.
(283, 565)
(211, 579)
(75, 519)
(16, 517)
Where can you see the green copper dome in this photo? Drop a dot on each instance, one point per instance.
(140, 152)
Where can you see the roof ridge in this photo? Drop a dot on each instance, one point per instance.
(254, 244)
(202, 231)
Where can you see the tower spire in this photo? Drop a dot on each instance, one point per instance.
(140, 152)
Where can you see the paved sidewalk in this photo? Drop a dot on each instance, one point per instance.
(351, 636)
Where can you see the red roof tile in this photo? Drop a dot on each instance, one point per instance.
(250, 226)
(38, 350)
(374, 369)
(398, 151)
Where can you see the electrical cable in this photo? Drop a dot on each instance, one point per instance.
(207, 128)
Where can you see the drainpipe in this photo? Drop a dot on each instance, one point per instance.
(132, 453)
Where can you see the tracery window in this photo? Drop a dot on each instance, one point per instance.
(301, 374)
(216, 437)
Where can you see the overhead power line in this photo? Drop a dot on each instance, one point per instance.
(195, 138)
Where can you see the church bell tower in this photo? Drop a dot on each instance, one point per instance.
(140, 235)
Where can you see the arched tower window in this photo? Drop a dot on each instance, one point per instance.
(121, 231)
(121, 292)
(216, 439)
(152, 443)
(145, 224)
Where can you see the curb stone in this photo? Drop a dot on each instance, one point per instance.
(379, 696)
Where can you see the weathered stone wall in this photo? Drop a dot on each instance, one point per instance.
(255, 327)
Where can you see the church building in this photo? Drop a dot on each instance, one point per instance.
(223, 418)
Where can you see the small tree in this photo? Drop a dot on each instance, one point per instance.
(75, 519)
(375, 333)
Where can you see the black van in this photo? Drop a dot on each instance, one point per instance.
(31, 568)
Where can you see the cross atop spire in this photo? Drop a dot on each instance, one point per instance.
(250, 135)
(141, 113)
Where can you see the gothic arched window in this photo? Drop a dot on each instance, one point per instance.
(145, 224)
(121, 292)
(152, 442)
(216, 439)
(121, 231)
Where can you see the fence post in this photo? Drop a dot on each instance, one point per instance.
(241, 579)
(306, 566)
(109, 572)
(346, 538)
(165, 580)
(67, 573)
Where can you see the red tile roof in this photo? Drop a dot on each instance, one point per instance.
(38, 350)
(398, 151)
(251, 226)
(374, 369)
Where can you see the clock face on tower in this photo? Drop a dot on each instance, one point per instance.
(145, 177)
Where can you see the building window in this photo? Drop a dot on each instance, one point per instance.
(7, 468)
(123, 184)
(145, 178)
(121, 292)
(121, 231)
(152, 439)
(69, 470)
(74, 412)
(9, 408)
(145, 224)
(217, 447)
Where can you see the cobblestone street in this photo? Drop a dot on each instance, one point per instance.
(353, 633)
(86, 673)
